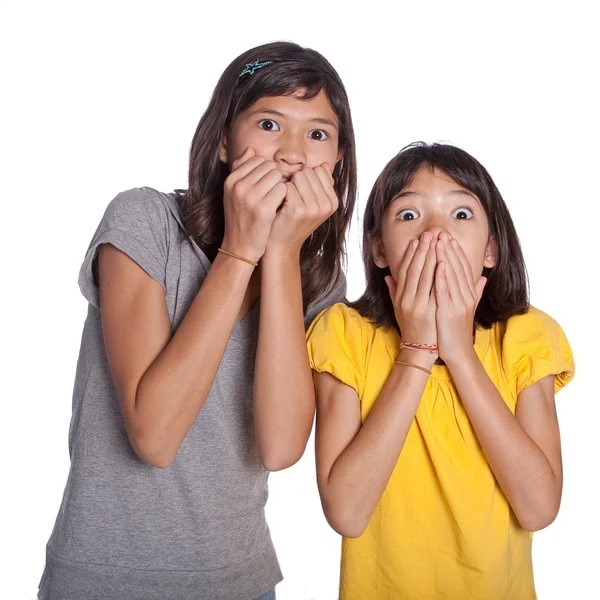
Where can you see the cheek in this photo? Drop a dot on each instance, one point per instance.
(395, 249)
(249, 137)
(317, 154)
(262, 151)
(475, 256)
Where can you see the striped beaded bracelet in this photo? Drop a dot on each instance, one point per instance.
(426, 347)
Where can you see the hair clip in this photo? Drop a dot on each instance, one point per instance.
(251, 67)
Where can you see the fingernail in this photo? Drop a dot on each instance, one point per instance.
(414, 244)
(454, 243)
(426, 236)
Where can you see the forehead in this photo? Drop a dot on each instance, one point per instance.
(429, 178)
(430, 182)
(294, 106)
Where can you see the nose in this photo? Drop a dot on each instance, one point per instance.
(291, 153)
(435, 225)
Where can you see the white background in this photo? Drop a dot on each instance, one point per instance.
(98, 97)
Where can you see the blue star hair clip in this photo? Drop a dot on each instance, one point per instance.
(253, 66)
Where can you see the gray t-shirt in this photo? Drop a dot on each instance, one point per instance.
(196, 530)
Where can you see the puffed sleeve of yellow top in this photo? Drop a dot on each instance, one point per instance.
(335, 342)
(534, 346)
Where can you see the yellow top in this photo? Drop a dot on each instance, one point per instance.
(443, 528)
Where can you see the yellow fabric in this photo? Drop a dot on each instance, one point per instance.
(443, 528)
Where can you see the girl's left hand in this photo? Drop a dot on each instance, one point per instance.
(310, 200)
(457, 297)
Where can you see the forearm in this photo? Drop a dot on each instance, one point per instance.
(361, 473)
(176, 385)
(284, 399)
(521, 468)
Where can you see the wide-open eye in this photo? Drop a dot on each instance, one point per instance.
(408, 214)
(268, 125)
(462, 214)
(318, 134)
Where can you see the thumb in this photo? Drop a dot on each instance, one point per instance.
(248, 154)
(480, 287)
(389, 280)
(329, 170)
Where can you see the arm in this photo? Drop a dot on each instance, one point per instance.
(523, 449)
(284, 399)
(156, 374)
(162, 380)
(283, 412)
(354, 463)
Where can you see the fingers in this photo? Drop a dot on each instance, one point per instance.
(255, 167)
(464, 262)
(306, 188)
(248, 154)
(404, 264)
(317, 191)
(458, 285)
(442, 294)
(267, 180)
(323, 172)
(292, 197)
(451, 278)
(253, 180)
(275, 198)
(425, 286)
(413, 273)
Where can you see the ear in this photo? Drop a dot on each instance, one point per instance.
(223, 149)
(339, 156)
(378, 253)
(491, 253)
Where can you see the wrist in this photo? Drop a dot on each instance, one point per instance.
(239, 248)
(461, 358)
(235, 264)
(281, 255)
(422, 358)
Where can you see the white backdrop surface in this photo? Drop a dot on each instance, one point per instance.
(101, 97)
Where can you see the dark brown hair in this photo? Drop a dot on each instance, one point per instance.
(506, 291)
(291, 69)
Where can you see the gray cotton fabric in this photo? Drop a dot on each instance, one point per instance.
(196, 530)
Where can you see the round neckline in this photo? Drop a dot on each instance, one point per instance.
(442, 372)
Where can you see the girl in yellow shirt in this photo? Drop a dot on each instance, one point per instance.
(438, 447)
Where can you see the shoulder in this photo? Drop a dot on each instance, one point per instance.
(140, 223)
(534, 345)
(337, 343)
(534, 327)
(138, 204)
(340, 320)
(334, 295)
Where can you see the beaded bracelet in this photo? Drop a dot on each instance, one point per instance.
(426, 347)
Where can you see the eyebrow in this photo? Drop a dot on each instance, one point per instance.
(276, 113)
(451, 193)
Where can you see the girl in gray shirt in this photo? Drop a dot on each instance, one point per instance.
(193, 355)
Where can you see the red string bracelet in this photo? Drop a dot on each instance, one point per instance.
(426, 347)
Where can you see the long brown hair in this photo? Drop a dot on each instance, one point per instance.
(506, 291)
(291, 69)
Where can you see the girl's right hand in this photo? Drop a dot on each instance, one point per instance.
(253, 192)
(412, 292)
